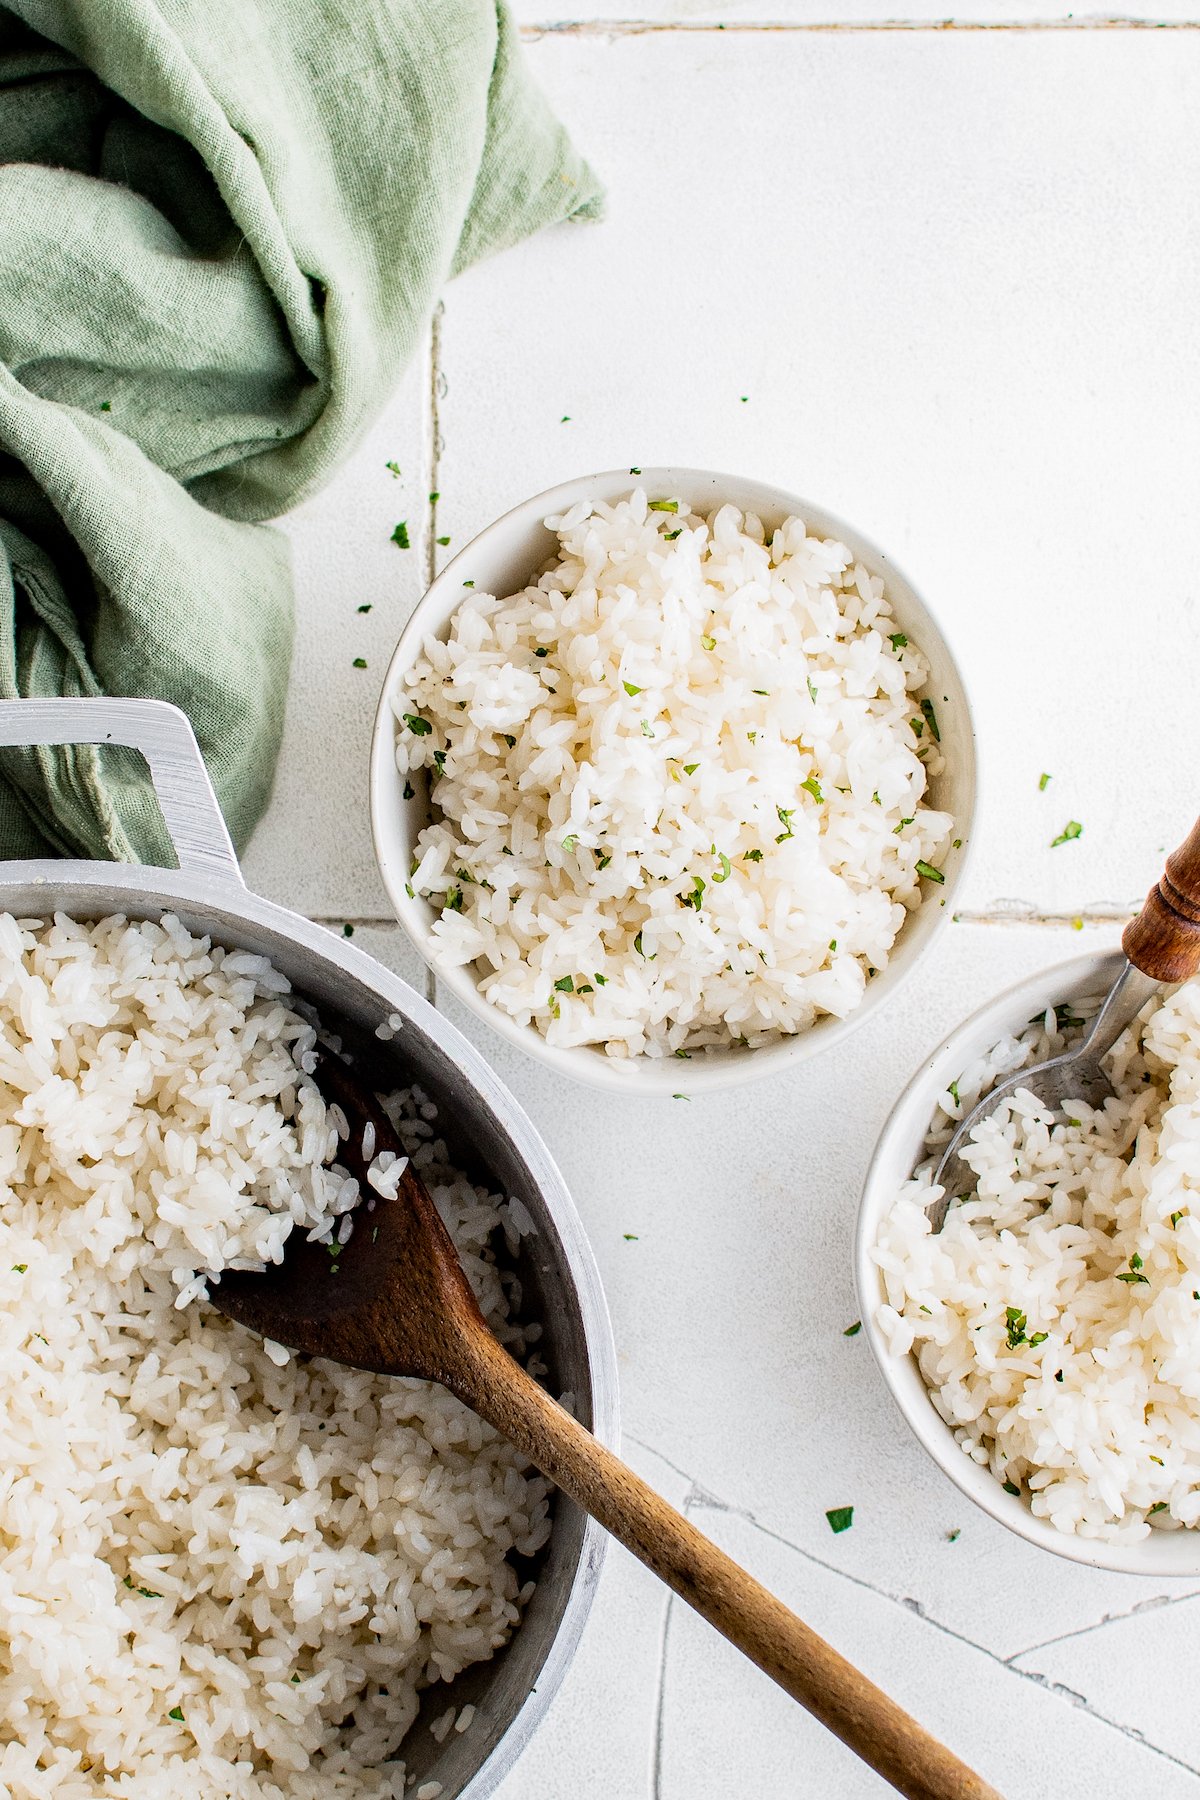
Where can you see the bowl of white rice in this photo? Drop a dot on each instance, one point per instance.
(672, 779)
(1045, 1346)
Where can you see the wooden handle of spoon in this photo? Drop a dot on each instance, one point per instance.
(1164, 940)
(803, 1664)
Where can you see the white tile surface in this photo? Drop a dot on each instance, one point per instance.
(954, 274)
(313, 850)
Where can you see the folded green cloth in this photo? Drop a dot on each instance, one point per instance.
(222, 228)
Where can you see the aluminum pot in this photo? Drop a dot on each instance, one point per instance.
(488, 1134)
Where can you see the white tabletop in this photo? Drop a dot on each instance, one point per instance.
(943, 282)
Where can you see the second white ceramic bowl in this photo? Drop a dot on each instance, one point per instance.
(899, 1150)
(506, 557)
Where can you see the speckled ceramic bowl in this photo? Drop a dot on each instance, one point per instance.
(506, 557)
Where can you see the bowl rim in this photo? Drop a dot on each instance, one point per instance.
(1173, 1553)
(649, 1076)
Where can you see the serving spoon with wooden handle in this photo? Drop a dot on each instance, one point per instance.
(400, 1304)
(1162, 946)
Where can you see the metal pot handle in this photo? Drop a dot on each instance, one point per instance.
(164, 736)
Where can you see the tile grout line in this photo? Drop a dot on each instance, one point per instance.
(1157, 1603)
(1002, 913)
(433, 441)
(702, 1500)
(623, 28)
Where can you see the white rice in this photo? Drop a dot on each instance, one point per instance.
(677, 784)
(224, 1574)
(1056, 1319)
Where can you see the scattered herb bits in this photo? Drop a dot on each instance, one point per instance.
(1070, 831)
(853, 1330)
(841, 1518)
(400, 535)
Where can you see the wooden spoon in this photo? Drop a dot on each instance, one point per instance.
(399, 1303)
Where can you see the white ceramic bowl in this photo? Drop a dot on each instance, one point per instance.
(506, 557)
(899, 1150)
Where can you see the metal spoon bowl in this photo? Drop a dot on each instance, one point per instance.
(1162, 945)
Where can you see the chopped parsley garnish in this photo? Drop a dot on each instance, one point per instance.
(900, 827)
(565, 986)
(602, 860)
(684, 1055)
(434, 497)
(600, 980)
(400, 535)
(785, 819)
(509, 740)
(347, 930)
(635, 471)
(629, 688)
(812, 786)
(360, 662)
(1043, 783)
(1133, 1276)
(454, 899)
(833, 943)
(840, 1518)
(20, 1268)
(1016, 1326)
(647, 728)
(1039, 1337)
(681, 1097)
(468, 584)
(696, 897)
(952, 1537)
(443, 540)
(417, 725)
(106, 406)
(1159, 1506)
(439, 757)
(672, 535)
(637, 944)
(690, 768)
(671, 506)
(1010, 1487)
(631, 1237)
(918, 726)
(931, 720)
(569, 843)
(764, 691)
(541, 651)
(1071, 830)
(898, 640)
(929, 872)
(393, 468)
(726, 867)
(853, 1330)
(952, 1090)
(710, 643)
(366, 608)
(752, 856)
(146, 1593)
(176, 1713)
(1175, 1218)
(566, 419)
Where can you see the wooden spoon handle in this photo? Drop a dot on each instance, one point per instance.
(1164, 940)
(803, 1664)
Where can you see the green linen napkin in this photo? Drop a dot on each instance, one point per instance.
(222, 228)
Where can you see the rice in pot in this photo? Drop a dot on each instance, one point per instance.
(223, 1572)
